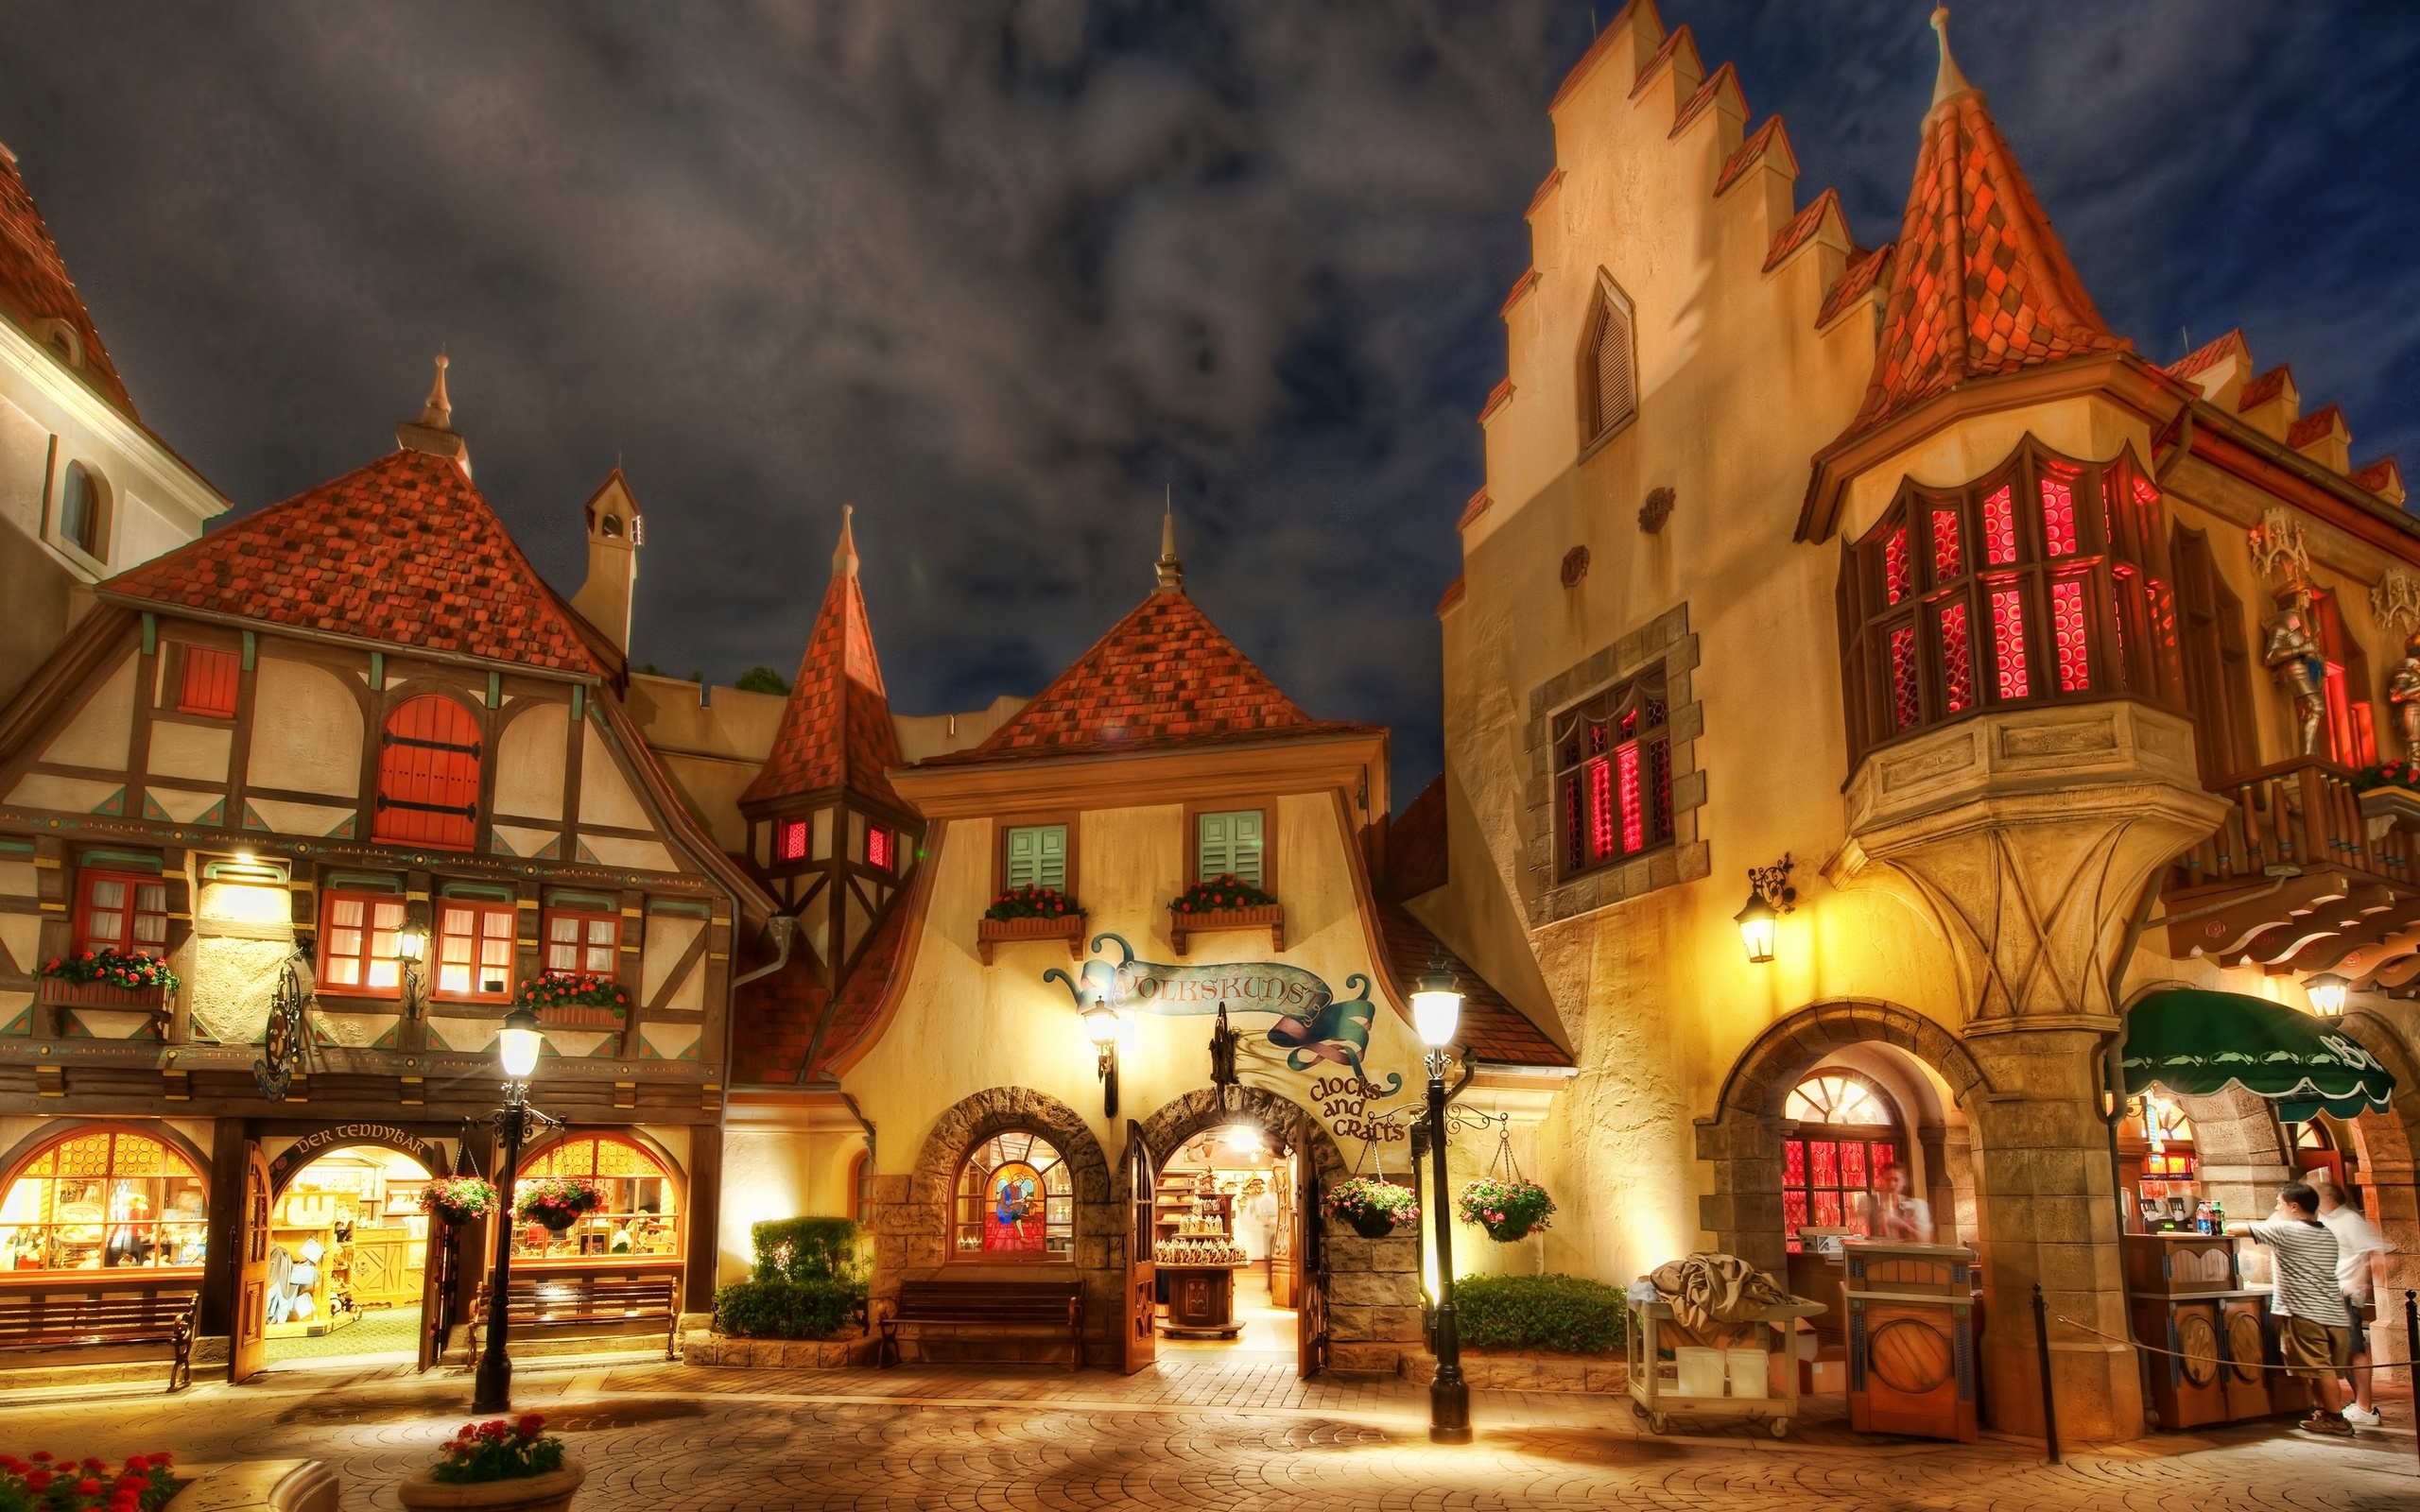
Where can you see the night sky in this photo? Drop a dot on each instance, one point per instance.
(1000, 273)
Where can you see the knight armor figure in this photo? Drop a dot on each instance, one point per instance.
(2296, 661)
(2403, 690)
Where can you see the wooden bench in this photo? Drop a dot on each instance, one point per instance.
(53, 1320)
(571, 1301)
(996, 1307)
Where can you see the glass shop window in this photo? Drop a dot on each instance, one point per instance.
(1015, 1202)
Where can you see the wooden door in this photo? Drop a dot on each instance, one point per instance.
(248, 1351)
(1142, 1327)
(1310, 1259)
(436, 1285)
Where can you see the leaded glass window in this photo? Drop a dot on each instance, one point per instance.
(104, 1199)
(1016, 1201)
(639, 1213)
(1613, 759)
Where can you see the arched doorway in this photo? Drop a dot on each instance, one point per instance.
(348, 1259)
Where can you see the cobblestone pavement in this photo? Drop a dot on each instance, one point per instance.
(1186, 1436)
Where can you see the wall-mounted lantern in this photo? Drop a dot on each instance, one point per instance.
(2326, 991)
(1769, 895)
(1102, 1027)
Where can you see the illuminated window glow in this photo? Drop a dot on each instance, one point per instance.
(640, 1214)
(2058, 515)
(1999, 527)
(2008, 641)
(1015, 1202)
(1956, 658)
(103, 1199)
(1906, 701)
(358, 949)
(2068, 635)
(1897, 578)
(1947, 561)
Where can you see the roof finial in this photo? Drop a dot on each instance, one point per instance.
(1171, 570)
(437, 414)
(1949, 81)
(844, 556)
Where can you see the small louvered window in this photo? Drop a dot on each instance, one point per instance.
(1614, 389)
(1037, 856)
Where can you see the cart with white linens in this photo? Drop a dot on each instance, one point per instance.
(1754, 1381)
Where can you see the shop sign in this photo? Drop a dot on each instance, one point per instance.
(337, 1135)
(1314, 1027)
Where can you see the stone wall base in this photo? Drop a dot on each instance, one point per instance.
(1527, 1370)
(700, 1347)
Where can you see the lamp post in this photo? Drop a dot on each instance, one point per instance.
(517, 1046)
(1437, 1011)
(1101, 1027)
(411, 948)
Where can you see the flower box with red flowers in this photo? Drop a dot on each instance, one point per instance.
(1030, 913)
(1224, 901)
(45, 1482)
(109, 979)
(575, 1000)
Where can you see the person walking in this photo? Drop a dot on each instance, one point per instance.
(2360, 1255)
(2309, 1308)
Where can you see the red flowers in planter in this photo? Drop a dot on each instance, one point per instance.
(499, 1451)
(572, 989)
(1223, 892)
(1033, 903)
(112, 969)
(143, 1485)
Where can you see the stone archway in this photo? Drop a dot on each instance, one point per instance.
(1742, 1139)
(911, 1236)
(2391, 1186)
(1181, 1118)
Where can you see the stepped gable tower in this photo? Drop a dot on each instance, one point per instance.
(833, 838)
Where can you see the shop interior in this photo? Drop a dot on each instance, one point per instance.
(1224, 1246)
(348, 1250)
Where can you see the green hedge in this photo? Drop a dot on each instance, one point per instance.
(781, 1309)
(1564, 1313)
(808, 1249)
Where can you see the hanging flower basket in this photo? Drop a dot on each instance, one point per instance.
(1509, 1210)
(1028, 914)
(458, 1199)
(1373, 1205)
(557, 1202)
(1225, 902)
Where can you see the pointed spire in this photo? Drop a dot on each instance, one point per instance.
(844, 556)
(1949, 83)
(434, 433)
(1171, 571)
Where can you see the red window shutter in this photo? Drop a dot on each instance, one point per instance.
(428, 775)
(208, 684)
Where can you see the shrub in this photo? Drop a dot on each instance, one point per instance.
(498, 1451)
(785, 1308)
(1563, 1313)
(807, 1250)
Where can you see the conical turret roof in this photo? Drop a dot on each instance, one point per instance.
(35, 288)
(837, 731)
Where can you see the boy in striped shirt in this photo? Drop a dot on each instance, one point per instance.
(2309, 1309)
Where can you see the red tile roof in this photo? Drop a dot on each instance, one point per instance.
(1753, 148)
(2381, 476)
(2203, 357)
(1528, 281)
(1478, 505)
(1801, 227)
(2317, 424)
(2265, 388)
(1452, 594)
(1863, 271)
(404, 550)
(1416, 844)
(1707, 93)
(1164, 678)
(1545, 187)
(1495, 397)
(774, 1018)
(34, 286)
(1680, 38)
(1981, 285)
(1492, 1028)
(836, 731)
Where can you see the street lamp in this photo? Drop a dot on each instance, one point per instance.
(411, 948)
(516, 1046)
(1437, 1011)
(2326, 991)
(1101, 1027)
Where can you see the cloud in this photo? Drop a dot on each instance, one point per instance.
(1001, 272)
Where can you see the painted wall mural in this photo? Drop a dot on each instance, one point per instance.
(1322, 1036)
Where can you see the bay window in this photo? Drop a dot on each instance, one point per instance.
(1614, 774)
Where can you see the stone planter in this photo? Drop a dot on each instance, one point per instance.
(258, 1486)
(1270, 917)
(1532, 1371)
(698, 1346)
(550, 1492)
(2391, 808)
(990, 934)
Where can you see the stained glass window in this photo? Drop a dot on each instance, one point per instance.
(1905, 697)
(103, 1198)
(1999, 527)
(1613, 774)
(2059, 513)
(1841, 1153)
(639, 1213)
(1947, 565)
(1897, 580)
(1015, 1201)
(2008, 641)
(2068, 635)
(1956, 658)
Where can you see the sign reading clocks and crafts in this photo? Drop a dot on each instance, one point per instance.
(1322, 1036)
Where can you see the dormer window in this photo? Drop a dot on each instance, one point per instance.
(2045, 581)
(84, 503)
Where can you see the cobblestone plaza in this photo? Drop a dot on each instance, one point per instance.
(1183, 1436)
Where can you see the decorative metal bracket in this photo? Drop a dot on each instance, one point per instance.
(1772, 883)
(282, 1043)
(1224, 1041)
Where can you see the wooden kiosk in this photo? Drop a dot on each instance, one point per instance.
(1912, 1314)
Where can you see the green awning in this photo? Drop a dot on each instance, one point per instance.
(2199, 1042)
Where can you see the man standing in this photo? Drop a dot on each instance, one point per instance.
(2360, 1250)
(2309, 1309)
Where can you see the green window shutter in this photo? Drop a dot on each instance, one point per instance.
(1228, 842)
(1037, 855)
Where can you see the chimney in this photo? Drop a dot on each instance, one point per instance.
(614, 534)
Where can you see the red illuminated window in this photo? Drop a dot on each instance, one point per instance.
(207, 684)
(1614, 774)
(878, 847)
(1999, 528)
(1897, 580)
(2008, 641)
(578, 940)
(475, 951)
(2068, 635)
(1907, 694)
(127, 913)
(1838, 1156)
(789, 840)
(1957, 659)
(1947, 561)
(428, 775)
(357, 944)
(2059, 514)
